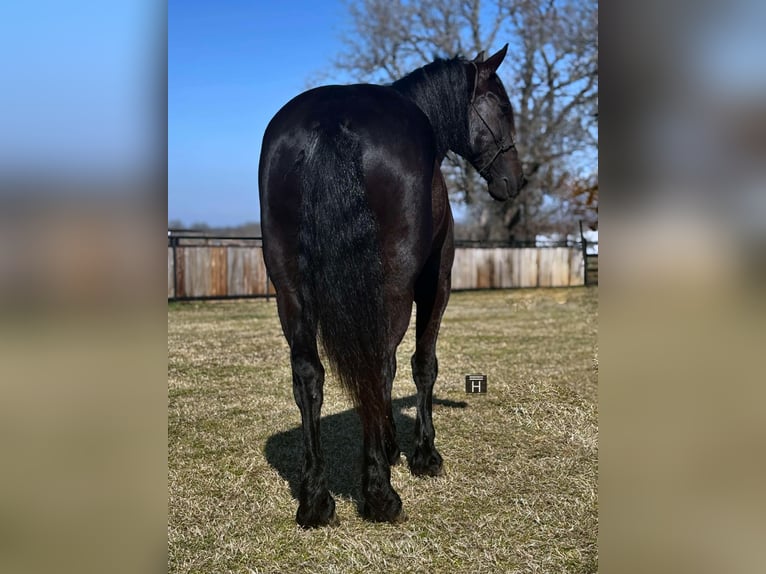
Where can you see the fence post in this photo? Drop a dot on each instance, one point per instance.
(584, 244)
(173, 245)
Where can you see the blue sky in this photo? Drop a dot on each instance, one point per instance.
(73, 101)
(231, 66)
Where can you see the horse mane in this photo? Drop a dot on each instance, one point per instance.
(441, 89)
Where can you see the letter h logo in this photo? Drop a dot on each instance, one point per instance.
(476, 383)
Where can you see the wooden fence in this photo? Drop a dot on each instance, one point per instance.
(201, 267)
(591, 269)
(506, 267)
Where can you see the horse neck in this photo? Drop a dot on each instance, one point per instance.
(445, 105)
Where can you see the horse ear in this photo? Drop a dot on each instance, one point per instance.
(479, 57)
(494, 61)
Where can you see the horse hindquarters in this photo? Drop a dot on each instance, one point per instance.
(341, 287)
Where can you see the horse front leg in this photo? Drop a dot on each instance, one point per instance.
(391, 444)
(431, 295)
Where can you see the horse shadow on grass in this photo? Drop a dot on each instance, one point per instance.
(342, 447)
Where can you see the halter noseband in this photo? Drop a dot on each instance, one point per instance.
(502, 145)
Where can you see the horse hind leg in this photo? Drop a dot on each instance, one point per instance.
(380, 502)
(316, 507)
(381, 450)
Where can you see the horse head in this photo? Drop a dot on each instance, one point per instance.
(492, 143)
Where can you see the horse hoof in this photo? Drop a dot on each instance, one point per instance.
(318, 522)
(427, 466)
(393, 516)
(399, 518)
(323, 517)
(428, 471)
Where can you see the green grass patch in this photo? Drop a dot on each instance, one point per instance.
(520, 489)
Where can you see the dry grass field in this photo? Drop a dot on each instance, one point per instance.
(519, 492)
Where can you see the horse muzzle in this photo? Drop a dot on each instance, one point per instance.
(512, 189)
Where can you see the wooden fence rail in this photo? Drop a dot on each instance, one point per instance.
(201, 268)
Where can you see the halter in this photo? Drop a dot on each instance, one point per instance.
(502, 145)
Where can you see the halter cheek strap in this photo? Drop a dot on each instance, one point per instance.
(501, 144)
(475, 81)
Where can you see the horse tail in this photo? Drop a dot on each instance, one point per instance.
(341, 268)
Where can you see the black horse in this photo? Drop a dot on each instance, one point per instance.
(356, 226)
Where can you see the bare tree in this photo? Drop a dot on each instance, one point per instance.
(551, 75)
